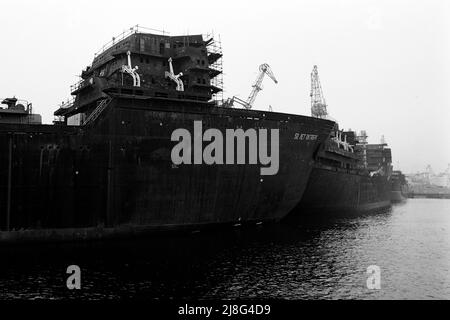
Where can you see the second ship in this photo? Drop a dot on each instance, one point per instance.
(350, 176)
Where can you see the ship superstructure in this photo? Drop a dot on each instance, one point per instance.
(13, 110)
(151, 65)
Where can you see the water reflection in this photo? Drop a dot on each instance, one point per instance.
(305, 260)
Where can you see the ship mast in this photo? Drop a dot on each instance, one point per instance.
(318, 104)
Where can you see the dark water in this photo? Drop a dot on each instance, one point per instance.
(313, 260)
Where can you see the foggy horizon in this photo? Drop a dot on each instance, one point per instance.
(384, 65)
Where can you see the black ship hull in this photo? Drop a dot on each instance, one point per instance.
(398, 196)
(399, 192)
(399, 187)
(332, 191)
(117, 178)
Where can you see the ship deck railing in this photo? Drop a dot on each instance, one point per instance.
(125, 34)
(67, 104)
(76, 86)
(63, 107)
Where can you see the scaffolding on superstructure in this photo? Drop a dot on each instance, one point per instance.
(362, 143)
(215, 59)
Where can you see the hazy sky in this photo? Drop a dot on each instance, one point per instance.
(384, 65)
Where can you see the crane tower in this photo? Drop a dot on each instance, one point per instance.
(264, 69)
(257, 86)
(318, 104)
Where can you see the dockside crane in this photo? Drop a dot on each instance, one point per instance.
(264, 70)
(318, 104)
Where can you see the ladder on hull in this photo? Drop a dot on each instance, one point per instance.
(97, 111)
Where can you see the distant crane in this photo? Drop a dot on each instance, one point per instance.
(318, 104)
(264, 69)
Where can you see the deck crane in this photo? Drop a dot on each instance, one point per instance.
(318, 104)
(264, 69)
(132, 71)
(173, 77)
